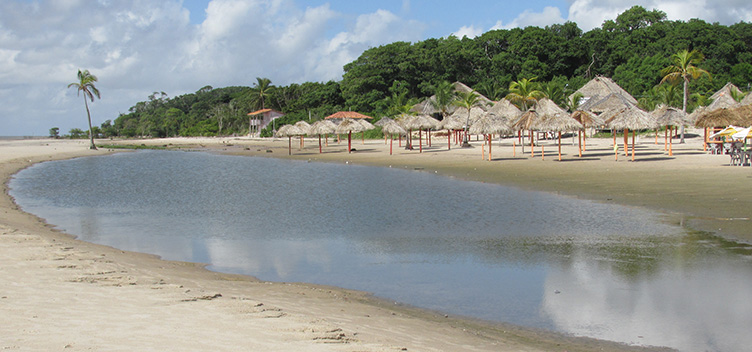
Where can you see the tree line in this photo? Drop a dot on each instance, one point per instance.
(633, 50)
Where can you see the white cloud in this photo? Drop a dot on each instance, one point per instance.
(589, 14)
(550, 15)
(468, 31)
(141, 46)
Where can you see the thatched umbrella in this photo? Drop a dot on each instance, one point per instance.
(629, 118)
(367, 126)
(544, 109)
(451, 124)
(739, 116)
(391, 127)
(557, 121)
(409, 123)
(488, 124)
(613, 101)
(305, 127)
(289, 131)
(381, 123)
(588, 120)
(348, 126)
(320, 127)
(670, 118)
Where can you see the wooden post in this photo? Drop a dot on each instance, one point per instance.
(420, 139)
(543, 152)
(532, 145)
(633, 137)
(449, 140)
(289, 145)
(579, 143)
(514, 148)
(490, 137)
(349, 141)
(671, 147)
(319, 144)
(391, 141)
(559, 145)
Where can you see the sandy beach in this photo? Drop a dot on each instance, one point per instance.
(58, 293)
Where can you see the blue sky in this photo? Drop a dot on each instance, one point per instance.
(136, 47)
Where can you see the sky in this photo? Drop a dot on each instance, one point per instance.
(136, 47)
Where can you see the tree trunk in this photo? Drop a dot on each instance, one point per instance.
(88, 115)
(684, 107)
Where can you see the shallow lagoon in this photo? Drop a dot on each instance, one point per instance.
(487, 251)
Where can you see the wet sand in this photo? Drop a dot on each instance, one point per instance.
(60, 293)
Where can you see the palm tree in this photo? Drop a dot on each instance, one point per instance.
(445, 95)
(554, 91)
(684, 68)
(573, 102)
(85, 84)
(261, 91)
(524, 93)
(467, 100)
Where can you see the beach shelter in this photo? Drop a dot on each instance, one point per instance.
(588, 120)
(381, 122)
(409, 123)
(597, 89)
(488, 124)
(289, 131)
(305, 127)
(451, 124)
(391, 128)
(367, 126)
(322, 127)
(629, 118)
(348, 126)
(670, 118)
(556, 120)
(738, 116)
(532, 120)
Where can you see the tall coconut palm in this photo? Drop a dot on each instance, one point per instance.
(684, 68)
(261, 91)
(467, 100)
(524, 93)
(85, 85)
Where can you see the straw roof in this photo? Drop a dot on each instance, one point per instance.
(322, 127)
(505, 109)
(490, 123)
(726, 90)
(454, 122)
(303, 126)
(289, 131)
(553, 118)
(348, 125)
(382, 121)
(347, 115)
(366, 125)
(612, 101)
(631, 118)
(747, 99)
(587, 118)
(428, 121)
(669, 116)
(426, 106)
(600, 87)
(738, 116)
(409, 122)
(392, 127)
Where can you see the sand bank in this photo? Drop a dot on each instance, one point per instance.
(60, 293)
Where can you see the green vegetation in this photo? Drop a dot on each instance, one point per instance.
(633, 49)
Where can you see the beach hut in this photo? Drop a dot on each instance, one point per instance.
(628, 119)
(598, 88)
(613, 101)
(452, 124)
(391, 128)
(305, 127)
(322, 127)
(289, 131)
(488, 124)
(381, 122)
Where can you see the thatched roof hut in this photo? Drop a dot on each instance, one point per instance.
(488, 124)
(289, 131)
(391, 127)
(587, 118)
(382, 121)
(322, 127)
(426, 107)
(303, 126)
(738, 116)
(727, 90)
(349, 126)
(629, 118)
(600, 87)
(612, 101)
(669, 116)
(505, 109)
(747, 99)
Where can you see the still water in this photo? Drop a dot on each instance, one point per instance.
(486, 251)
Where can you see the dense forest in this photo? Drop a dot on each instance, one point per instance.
(632, 50)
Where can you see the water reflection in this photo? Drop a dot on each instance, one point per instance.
(482, 250)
